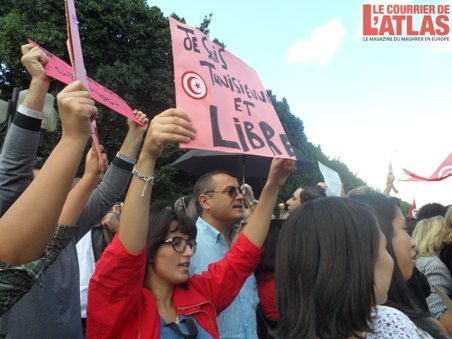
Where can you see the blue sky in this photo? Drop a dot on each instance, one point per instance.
(366, 103)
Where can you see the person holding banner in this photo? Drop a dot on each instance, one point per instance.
(141, 286)
(30, 239)
(57, 303)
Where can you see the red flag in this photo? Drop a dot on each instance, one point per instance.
(442, 172)
(412, 212)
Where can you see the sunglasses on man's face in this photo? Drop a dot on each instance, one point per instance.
(231, 191)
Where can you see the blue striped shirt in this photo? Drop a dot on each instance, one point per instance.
(238, 321)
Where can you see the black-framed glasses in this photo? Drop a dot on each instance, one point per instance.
(180, 244)
(231, 191)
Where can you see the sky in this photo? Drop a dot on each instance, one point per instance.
(366, 103)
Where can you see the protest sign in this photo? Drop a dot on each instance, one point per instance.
(61, 71)
(332, 180)
(76, 55)
(224, 98)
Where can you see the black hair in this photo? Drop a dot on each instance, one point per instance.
(159, 205)
(267, 262)
(324, 269)
(159, 227)
(311, 192)
(399, 295)
(430, 210)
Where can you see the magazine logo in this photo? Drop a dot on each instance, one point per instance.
(393, 22)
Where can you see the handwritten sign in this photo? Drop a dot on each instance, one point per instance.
(61, 71)
(224, 97)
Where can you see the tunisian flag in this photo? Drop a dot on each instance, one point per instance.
(442, 172)
(412, 211)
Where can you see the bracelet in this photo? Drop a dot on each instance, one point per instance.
(141, 176)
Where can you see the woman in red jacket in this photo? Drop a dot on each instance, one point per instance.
(141, 287)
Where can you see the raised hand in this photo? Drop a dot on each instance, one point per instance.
(34, 59)
(76, 110)
(280, 170)
(170, 126)
(92, 165)
(134, 127)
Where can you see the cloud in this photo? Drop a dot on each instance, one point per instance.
(324, 43)
(440, 47)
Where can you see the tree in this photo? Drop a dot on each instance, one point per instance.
(127, 47)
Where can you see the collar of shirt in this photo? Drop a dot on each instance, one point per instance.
(209, 232)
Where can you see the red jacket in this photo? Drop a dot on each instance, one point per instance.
(119, 306)
(266, 290)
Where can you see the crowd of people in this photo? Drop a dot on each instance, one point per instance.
(76, 261)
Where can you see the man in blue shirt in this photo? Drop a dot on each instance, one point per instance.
(219, 203)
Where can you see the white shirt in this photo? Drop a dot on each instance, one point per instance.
(86, 265)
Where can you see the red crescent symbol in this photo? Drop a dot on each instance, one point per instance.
(190, 84)
(189, 79)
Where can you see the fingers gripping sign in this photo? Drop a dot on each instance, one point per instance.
(170, 126)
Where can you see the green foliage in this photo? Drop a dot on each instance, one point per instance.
(204, 27)
(127, 47)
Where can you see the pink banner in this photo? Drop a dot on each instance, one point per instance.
(74, 45)
(224, 98)
(58, 69)
(75, 52)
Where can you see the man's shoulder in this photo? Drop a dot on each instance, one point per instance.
(206, 231)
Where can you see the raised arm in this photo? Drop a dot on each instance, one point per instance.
(22, 140)
(116, 178)
(389, 184)
(79, 194)
(258, 225)
(169, 126)
(34, 215)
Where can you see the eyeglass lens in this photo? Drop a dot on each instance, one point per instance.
(180, 244)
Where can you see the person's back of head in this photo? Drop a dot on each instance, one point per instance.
(430, 210)
(399, 296)
(430, 235)
(312, 192)
(363, 189)
(448, 217)
(159, 205)
(324, 270)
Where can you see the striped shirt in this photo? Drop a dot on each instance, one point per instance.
(437, 275)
